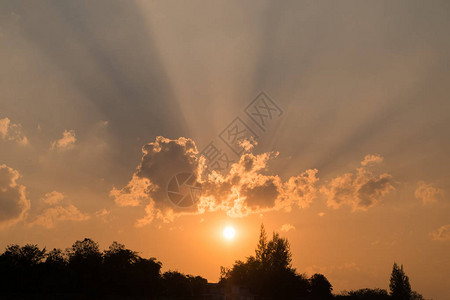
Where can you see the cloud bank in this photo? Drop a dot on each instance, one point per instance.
(248, 187)
(245, 189)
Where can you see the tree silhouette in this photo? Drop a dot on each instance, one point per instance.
(178, 285)
(399, 284)
(365, 294)
(56, 257)
(269, 273)
(85, 260)
(118, 257)
(27, 255)
(85, 272)
(320, 287)
(261, 248)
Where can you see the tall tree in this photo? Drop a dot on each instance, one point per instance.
(261, 248)
(279, 255)
(399, 284)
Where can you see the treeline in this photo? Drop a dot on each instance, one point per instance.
(269, 275)
(83, 271)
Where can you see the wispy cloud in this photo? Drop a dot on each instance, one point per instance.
(442, 233)
(287, 227)
(372, 159)
(12, 132)
(428, 193)
(53, 198)
(58, 209)
(66, 142)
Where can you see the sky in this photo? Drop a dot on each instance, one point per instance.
(331, 119)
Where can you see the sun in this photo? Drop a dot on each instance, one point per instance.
(229, 232)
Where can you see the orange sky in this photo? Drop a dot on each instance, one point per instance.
(102, 103)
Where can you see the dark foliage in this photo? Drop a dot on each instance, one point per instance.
(269, 274)
(366, 294)
(84, 272)
(399, 285)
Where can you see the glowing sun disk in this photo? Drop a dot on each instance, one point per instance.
(229, 232)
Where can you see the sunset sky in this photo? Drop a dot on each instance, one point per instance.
(103, 102)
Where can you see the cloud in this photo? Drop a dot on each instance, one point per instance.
(59, 213)
(360, 189)
(13, 202)
(248, 144)
(161, 161)
(53, 198)
(302, 189)
(12, 132)
(287, 227)
(371, 159)
(149, 215)
(103, 214)
(136, 192)
(245, 189)
(428, 193)
(59, 210)
(66, 142)
(442, 233)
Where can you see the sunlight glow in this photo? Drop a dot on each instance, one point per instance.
(229, 232)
